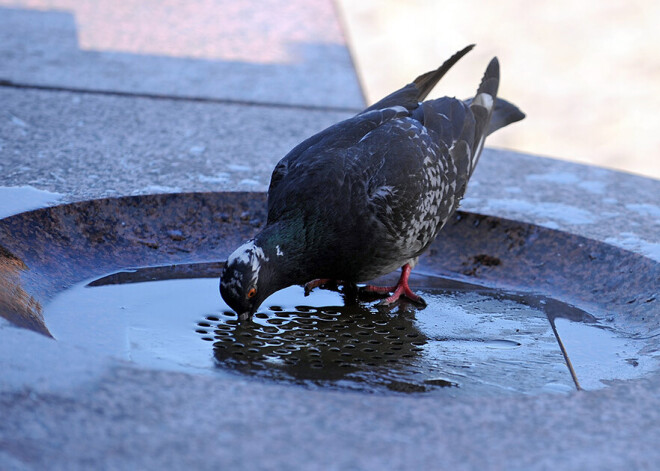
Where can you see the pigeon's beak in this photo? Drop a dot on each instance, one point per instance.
(243, 316)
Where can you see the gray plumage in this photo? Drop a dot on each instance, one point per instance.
(369, 194)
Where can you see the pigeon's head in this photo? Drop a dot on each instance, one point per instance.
(244, 283)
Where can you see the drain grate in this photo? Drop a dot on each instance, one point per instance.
(465, 342)
(358, 346)
(469, 340)
(323, 345)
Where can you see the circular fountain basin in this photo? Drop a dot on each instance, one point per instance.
(512, 308)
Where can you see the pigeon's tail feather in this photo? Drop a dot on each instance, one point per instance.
(426, 82)
(410, 95)
(505, 113)
(491, 79)
(482, 106)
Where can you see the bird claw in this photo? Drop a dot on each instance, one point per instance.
(398, 293)
(400, 290)
(396, 298)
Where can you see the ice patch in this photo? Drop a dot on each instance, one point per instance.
(18, 121)
(238, 168)
(600, 355)
(645, 209)
(15, 200)
(540, 210)
(197, 149)
(632, 242)
(593, 186)
(157, 189)
(565, 178)
(218, 178)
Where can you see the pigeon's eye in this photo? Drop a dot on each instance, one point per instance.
(252, 292)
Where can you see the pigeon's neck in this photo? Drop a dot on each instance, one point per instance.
(285, 256)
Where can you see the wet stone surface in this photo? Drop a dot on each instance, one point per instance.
(129, 340)
(468, 341)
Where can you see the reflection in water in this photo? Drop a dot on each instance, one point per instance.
(472, 341)
(469, 340)
(322, 344)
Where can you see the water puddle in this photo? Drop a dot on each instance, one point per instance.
(468, 340)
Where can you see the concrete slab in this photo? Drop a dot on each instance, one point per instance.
(124, 417)
(61, 412)
(616, 207)
(282, 52)
(89, 146)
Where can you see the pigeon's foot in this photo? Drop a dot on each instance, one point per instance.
(322, 282)
(401, 289)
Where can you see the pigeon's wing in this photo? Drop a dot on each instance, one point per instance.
(399, 173)
(347, 133)
(440, 148)
(422, 165)
(412, 94)
(323, 152)
(470, 124)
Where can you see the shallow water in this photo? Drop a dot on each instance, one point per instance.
(467, 341)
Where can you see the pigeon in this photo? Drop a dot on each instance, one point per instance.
(368, 195)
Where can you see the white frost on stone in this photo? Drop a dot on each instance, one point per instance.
(151, 189)
(543, 211)
(632, 242)
(645, 209)
(221, 177)
(593, 186)
(238, 168)
(564, 178)
(14, 200)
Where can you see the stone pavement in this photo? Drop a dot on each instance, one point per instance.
(99, 99)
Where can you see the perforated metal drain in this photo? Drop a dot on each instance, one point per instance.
(322, 344)
(462, 340)
(469, 340)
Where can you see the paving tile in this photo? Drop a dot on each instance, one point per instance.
(62, 408)
(88, 146)
(275, 52)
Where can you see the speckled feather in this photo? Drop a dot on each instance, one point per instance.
(369, 194)
(383, 183)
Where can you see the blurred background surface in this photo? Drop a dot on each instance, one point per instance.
(586, 73)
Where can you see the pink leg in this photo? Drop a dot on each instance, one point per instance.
(401, 288)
